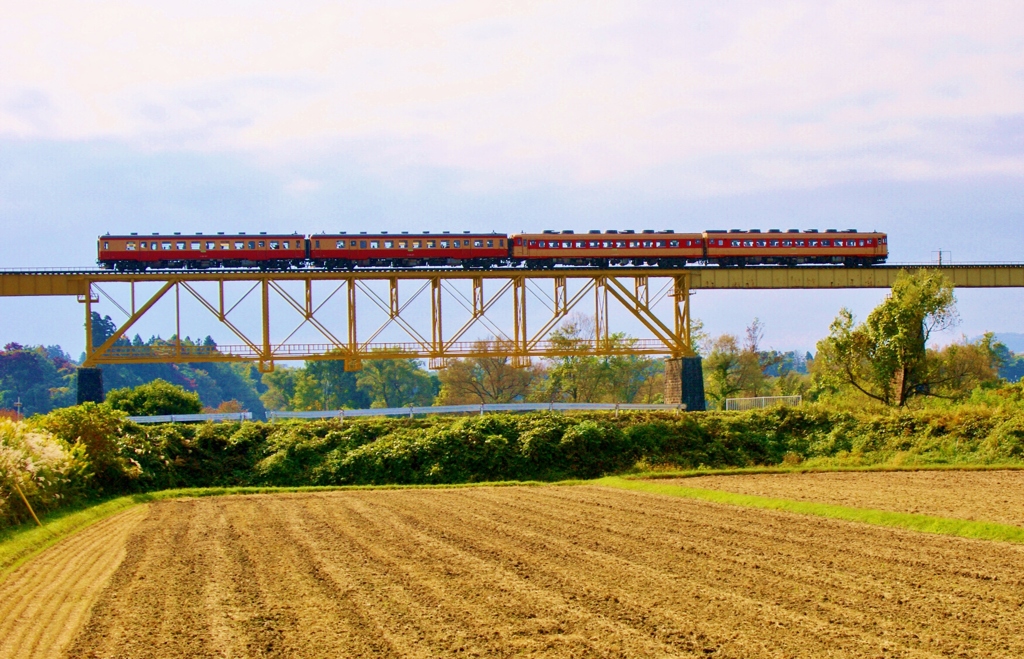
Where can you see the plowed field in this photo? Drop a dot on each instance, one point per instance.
(991, 496)
(542, 571)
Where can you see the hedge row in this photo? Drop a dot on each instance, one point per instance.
(121, 457)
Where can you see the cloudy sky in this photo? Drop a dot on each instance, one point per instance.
(905, 117)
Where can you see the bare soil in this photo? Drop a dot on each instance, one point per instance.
(543, 571)
(45, 601)
(991, 496)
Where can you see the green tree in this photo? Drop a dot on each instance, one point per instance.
(326, 385)
(155, 398)
(280, 388)
(397, 383)
(885, 358)
(578, 376)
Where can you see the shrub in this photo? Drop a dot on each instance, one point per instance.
(48, 471)
(154, 399)
(103, 432)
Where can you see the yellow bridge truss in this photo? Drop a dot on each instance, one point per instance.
(411, 303)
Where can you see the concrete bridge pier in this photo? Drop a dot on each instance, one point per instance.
(90, 385)
(684, 383)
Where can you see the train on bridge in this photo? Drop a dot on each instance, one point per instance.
(347, 251)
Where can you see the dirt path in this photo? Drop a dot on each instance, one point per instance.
(44, 602)
(991, 496)
(555, 571)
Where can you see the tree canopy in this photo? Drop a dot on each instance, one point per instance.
(886, 358)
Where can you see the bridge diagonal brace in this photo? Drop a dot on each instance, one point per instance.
(556, 318)
(93, 353)
(480, 316)
(307, 313)
(396, 318)
(222, 317)
(644, 314)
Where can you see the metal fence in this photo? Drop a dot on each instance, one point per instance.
(470, 409)
(761, 402)
(179, 418)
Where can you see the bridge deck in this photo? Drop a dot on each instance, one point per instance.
(76, 283)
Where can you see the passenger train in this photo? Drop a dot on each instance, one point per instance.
(346, 251)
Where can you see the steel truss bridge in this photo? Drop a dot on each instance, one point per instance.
(432, 314)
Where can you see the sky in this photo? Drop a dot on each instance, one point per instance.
(903, 117)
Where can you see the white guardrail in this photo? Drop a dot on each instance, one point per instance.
(470, 409)
(761, 402)
(178, 418)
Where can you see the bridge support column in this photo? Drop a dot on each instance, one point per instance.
(684, 383)
(90, 385)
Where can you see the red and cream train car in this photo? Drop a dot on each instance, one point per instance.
(135, 252)
(406, 250)
(661, 248)
(793, 247)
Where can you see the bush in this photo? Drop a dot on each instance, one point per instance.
(154, 398)
(48, 471)
(104, 434)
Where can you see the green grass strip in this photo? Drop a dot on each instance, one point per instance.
(21, 543)
(924, 523)
(815, 469)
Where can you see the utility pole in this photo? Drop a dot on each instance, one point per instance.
(17, 409)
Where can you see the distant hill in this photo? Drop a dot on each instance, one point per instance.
(1015, 342)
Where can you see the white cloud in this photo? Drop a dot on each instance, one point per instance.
(693, 97)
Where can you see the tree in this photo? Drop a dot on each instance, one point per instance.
(722, 369)
(397, 383)
(488, 379)
(155, 398)
(579, 376)
(886, 358)
(40, 378)
(326, 385)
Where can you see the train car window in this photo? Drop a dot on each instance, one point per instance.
(787, 243)
(389, 244)
(555, 244)
(748, 243)
(456, 243)
(165, 246)
(416, 244)
(774, 243)
(262, 244)
(607, 243)
(287, 246)
(800, 243)
(567, 245)
(696, 243)
(659, 243)
(870, 242)
(316, 243)
(735, 243)
(444, 244)
(533, 243)
(252, 244)
(580, 244)
(240, 245)
(478, 243)
(542, 244)
(634, 243)
(812, 243)
(619, 244)
(195, 245)
(594, 243)
(490, 243)
(674, 243)
(501, 243)
(339, 244)
(274, 244)
(130, 247)
(374, 244)
(826, 243)
(760, 243)
(860, 243)
(403, 244)
(210, 245)
(838, 243)
(353, 244)
(362, 244)
(106, 245)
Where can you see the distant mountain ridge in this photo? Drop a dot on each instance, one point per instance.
(1013, 341)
